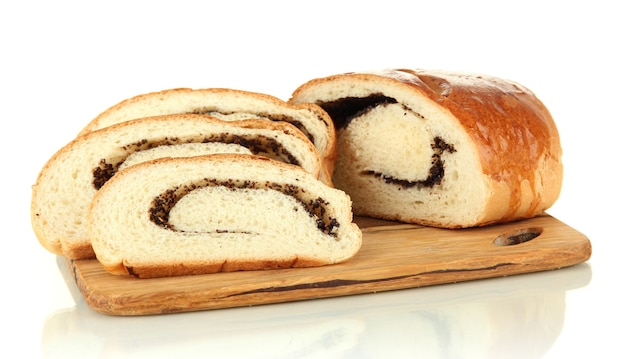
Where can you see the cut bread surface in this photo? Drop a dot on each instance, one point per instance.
(223, 212)
(439, 148)
(228, 105)
(67, 183)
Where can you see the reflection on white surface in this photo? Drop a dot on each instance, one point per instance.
(524, 311)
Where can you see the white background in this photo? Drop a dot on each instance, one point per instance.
(64, 62)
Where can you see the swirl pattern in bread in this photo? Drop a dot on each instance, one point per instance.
(228, 105)
(222, 212)
(67, 183)
(440, 148)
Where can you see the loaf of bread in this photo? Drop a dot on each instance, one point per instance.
(222, 212)
(68, 181)
(440, 148)
(228, 104)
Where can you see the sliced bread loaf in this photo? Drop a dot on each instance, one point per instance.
(67, 183)
(440, 148)
(228, 104)
(223, 212)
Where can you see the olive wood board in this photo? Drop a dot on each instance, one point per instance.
(393, 256)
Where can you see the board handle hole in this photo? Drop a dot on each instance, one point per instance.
(517, 236)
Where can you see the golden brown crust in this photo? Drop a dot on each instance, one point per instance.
(513, 132)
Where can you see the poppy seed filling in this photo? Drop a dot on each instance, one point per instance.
(260, 145)
(346, 109)
(435, 173)
(271, 117)
(314, 205)
(343, 110)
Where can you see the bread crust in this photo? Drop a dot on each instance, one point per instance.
(188, 99)
(160, 270)
(513, 133)
(103, 143)
(117, 263)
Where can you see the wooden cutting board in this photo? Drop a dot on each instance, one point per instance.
(393, 256)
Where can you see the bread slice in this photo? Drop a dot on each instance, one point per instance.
(222, 212)
(67, 183)
(228, 104)
(440, 148)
